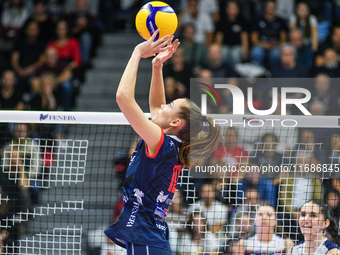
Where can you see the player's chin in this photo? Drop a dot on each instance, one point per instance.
(307, 232)
(154, 119)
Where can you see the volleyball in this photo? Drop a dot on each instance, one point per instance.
(156, 15)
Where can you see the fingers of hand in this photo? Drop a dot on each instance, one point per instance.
(154, 35)
(177, 43)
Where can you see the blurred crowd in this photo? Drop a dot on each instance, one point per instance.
(296, 41)
(219, 213)
(45, 52)
(46, 46)
(259, 39)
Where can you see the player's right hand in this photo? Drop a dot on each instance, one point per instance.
(150, 48)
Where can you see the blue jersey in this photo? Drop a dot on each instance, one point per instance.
(148, 190)
(325, 246)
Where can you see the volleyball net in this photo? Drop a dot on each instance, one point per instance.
(61, 176)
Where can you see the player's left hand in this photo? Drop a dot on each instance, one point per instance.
(166, 54)
(150, 48)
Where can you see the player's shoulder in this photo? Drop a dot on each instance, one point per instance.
(332, 248)
(298, 247)
(335, 251)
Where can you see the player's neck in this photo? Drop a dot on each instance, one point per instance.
(311, 244)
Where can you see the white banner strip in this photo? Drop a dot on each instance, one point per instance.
(52, 117)
(117, 118)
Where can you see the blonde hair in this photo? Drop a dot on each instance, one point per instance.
(195, 141)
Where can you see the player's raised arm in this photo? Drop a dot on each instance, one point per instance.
(157, 93)
(125, 95)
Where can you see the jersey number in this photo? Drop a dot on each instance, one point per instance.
(176, 170)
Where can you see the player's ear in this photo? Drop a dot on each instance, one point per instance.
(176, 123)
(326, 224)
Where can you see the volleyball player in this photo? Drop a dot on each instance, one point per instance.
(155, 165)
(316, 221)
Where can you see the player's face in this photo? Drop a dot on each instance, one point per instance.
(312, 221)
(169, 113)
(265, 217)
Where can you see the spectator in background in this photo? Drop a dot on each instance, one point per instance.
(195, 54)
(307, 23)
(71, 5)
(68, 47)
(324, 93)
(83, 26)
(227, 96)
(304, 53)
(3, 235)
(172, 90)
(331, 64)
(209, 7)
(54, 8)
(27, 54)
(216, 64)
(234, 154)
(265, 187)
(287, 67)
(203, 23)
(241, 228)
(251, 10)
(269, 32)
(215, 213)
(197, 238)
(180, 70)
(13, 19)
(232, 34)
(63, 80)
(334, 153)
(309, 151)
(332, 200)
(45, 22)
(45, 99)
(267, 155)
(14, 183)
(317, 108)
(11, 95)
(250, 201)
(176, 218)
(335, 182)
(285, 8)
(332, 42)
(265, 241)
(30, 154)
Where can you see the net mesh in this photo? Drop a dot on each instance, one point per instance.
(60, 185)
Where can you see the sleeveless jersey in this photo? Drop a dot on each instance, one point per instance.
(324, 247)
(252, 246)
(149, 187)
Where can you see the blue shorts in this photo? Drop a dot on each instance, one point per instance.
(135, 249)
